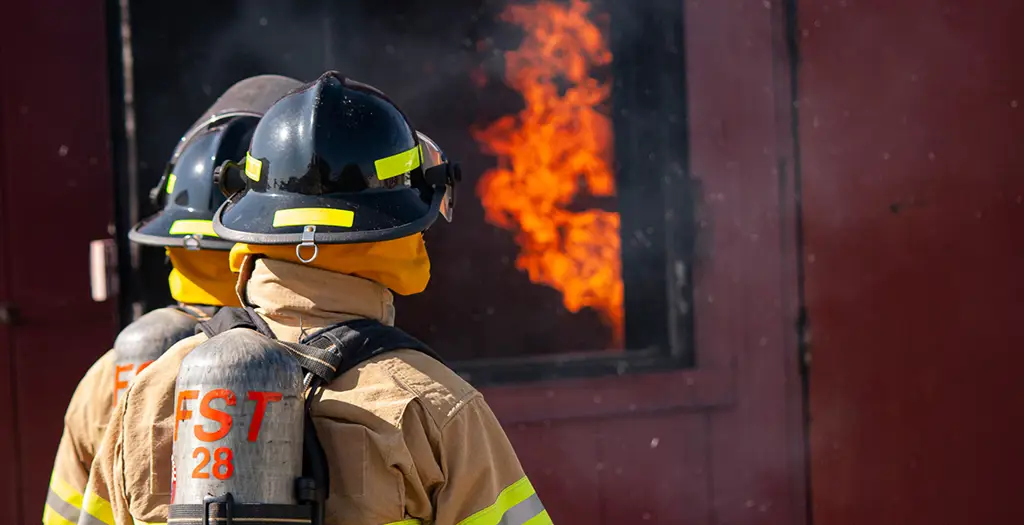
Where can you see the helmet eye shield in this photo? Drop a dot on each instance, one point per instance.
(439, 174)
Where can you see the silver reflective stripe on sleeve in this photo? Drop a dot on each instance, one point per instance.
(523, 512)
(63, 503)
(89, 519)
(58, 512)
(518, 504)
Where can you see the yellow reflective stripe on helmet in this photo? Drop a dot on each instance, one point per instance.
(192, 226)
(52, 517)
(96, 511)
(171, 179)
(518, 504)
(311, 216)
(398, 163)
(253, 167)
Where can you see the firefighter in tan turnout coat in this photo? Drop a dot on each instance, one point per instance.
(200, 281)
(339, 189)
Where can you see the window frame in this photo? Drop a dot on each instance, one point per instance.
(649, 116)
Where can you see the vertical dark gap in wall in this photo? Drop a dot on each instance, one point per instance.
(802, 325)
(127, 290)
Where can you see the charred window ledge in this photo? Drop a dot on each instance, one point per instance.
(484, 372)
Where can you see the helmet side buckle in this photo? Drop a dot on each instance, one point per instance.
(228, 178)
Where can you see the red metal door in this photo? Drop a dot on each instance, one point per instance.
(56, 189)
(912, 115)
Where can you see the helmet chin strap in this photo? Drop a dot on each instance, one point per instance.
(244, 274)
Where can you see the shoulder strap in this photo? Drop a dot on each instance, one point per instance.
(325, 355)
(230, 317)
(199, 311)
(336, 349)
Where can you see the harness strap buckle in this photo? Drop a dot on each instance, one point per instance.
(228, 500)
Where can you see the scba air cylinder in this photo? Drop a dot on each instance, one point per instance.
(146, 339)
(238, 421)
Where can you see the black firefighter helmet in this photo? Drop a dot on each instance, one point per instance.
(189, 193)
(336, 162)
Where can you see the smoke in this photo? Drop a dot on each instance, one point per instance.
(443, 63)
(413, 52)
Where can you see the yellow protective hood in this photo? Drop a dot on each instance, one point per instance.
(202, 277)
(401, 264)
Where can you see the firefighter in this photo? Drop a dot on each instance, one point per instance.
(200, 280)
(339, 190)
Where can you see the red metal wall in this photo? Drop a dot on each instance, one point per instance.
(912, 120)
(55, 196)
(722, 443)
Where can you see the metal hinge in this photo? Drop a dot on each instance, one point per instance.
(103, 269)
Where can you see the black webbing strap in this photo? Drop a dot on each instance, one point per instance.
(224, 511)
(315, 484)
(261, 325)
(336, 349)
(230, 317)
(325, 355)
(201, 312)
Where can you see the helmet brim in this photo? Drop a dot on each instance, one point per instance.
(193, 225)
(374, 216)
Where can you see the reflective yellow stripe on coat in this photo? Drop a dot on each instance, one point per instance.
(516, 505)
(52, 517)
(63, 503)
(96, 511)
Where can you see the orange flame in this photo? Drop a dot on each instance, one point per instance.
(557, 147)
